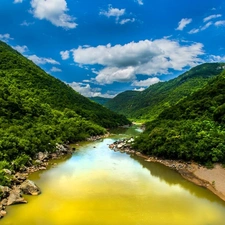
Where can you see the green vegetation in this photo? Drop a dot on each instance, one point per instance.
(100, 100)
(193, 129)
(37, 111)
(148, 104)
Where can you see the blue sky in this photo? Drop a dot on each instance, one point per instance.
(104, 47)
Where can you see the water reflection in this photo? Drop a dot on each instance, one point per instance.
(98, 186)
(172, 177)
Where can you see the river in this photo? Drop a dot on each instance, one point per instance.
(97, 186)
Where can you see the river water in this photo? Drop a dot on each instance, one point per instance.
(97, 186)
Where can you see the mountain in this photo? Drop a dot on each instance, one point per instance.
(148, 104)
(100, 100)
(193, 129)
(38, 110)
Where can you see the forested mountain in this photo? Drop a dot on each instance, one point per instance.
(193, 129)
(100, 100)
(148, 104)
(123, 102)
(38, 110)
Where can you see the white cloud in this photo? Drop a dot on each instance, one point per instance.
(53, 11)
(127, 21)
(21, 49)
(25, 23)
(206, 26)
(55, 69)
(140, 2)
(216, 58)
(87, 91)
(65, 54)
(123, 62)
(41, 60)
(220, 23)
(211, 17)
(194, 31)
(18, 1)
(183, 23)
(113, 12)
(146, 83)
(5, 37)
(139, 89)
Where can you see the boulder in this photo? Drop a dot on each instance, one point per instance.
(28, 187)
(15, 197)
(41, 156)
(4, 192)
(2, 213)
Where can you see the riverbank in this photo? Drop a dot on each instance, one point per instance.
(21, 185)
(212, 179)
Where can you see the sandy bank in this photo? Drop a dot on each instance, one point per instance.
(212, 179)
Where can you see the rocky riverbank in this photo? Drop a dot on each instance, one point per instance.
(20, 185)
(212, 179)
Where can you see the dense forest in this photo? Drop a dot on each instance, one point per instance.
(37, 111)
(148, 104)
(193, 129)
(99, 100)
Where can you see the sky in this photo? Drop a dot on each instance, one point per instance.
(104, 47)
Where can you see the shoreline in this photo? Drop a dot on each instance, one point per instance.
(21, 186)
(211, 179)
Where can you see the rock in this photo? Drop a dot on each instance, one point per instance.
(15, 197)
(4, 191)
(62, 148)
(41, 156)
(4, 202)
(28, 187)
(38, 162)
(42, 168)
(2, 213)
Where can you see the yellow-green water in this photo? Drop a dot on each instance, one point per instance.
(98, 186)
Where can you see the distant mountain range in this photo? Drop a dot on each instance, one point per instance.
(148, 104)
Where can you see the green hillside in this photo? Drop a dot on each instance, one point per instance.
(193, 129)
(123, 102)
(100, 100)
(38, 110)
(148, 104)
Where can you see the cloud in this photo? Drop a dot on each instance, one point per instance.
(121, 63)
(216, 58)
(25, 23)
(194, 31)
(127, 21)
(53, 11)
(206, 26)
(65, 54)
(220, 23)
(55, 69)
(5, 37)
(183, 23)
(139, 89)
(21, 49)
(140, 2)
(113, 12)
(41, 60)
(87, 91)
(146, 83)
(18, 1)
(211, 17)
